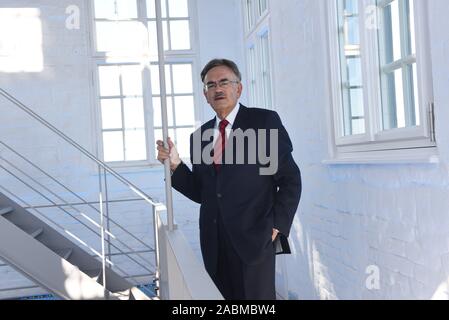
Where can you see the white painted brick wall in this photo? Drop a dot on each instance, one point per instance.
(354, 216)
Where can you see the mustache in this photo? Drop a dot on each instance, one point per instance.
(219, 95)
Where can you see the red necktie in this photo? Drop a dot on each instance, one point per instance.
(220, 144)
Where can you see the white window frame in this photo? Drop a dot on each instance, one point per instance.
(171, 56)
(377, 144)
(259, 95)
(146, 94)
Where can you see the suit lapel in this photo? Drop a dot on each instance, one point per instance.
(241, 119)
(208, 125)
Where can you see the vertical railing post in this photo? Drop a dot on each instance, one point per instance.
(161, 59)
(103, 258)
(156, 250)
(108, 229)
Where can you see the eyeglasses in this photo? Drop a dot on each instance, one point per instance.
(225, 83)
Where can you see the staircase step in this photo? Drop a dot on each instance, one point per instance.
(6, 210)
(34, 232)
(123, 295)
(133, 293)
(63, 253)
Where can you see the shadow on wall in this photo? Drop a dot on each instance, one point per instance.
(300, 284)
(364, 235)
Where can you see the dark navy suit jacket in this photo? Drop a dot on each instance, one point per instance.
(249, 204)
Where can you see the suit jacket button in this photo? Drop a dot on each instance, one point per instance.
(215, 221)
(219, 195)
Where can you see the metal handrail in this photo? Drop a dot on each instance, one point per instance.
(100, 164)
(96, 254)
(82, 203)
(94, 231)
(70, 191)
(106, 168)
(134, 188)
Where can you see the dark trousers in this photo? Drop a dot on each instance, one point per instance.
(239, 281)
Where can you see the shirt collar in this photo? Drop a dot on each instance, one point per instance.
(230, 117)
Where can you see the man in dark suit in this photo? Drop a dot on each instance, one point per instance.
(247, 207)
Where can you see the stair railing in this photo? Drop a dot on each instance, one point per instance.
(103, 171)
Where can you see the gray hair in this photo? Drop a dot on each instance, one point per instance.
(219, 63)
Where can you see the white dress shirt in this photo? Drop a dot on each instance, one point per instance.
(231, 120)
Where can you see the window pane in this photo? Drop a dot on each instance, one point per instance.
(266, 74)
(399, 96)
(152, 41)
(356, 96)
(157, 115)
(132, 80)
(111, 114)
(115, 9)
(352, 31)
(253, 76)
(353, 112)
(135, 147)
(178, 8)
(105, 9)
(249, 13)
(180, 35)
(354, 71)
(392, 32)
(358, 126)
(184, 110)
(351, 7)
(134, 114)
(182, 78)
(125, 37)
(152, 34)
(105, 33)
(151, 9)
(416, 95)
(183, 141)
(155, 87)
(127, 9)
(411, 25)
(262, 6)
(393, 106)
(109, 80)
(399, 90)
(113, 146)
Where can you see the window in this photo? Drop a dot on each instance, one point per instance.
(350, 69)
(380, 78)
(126, 61)
(122, 112)
(258, 53)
